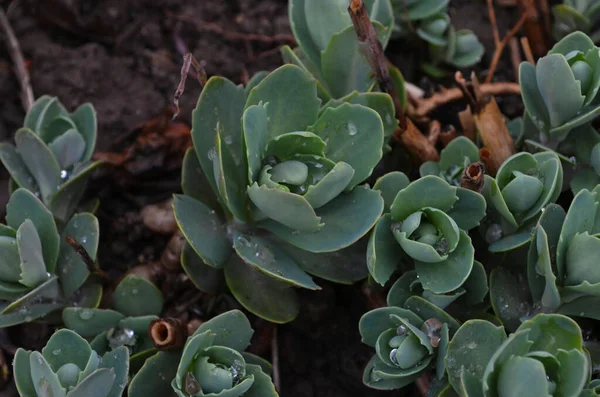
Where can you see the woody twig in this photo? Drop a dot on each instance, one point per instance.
(407, 133)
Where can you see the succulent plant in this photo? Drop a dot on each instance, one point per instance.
(574, 15)
(560, 91)
(454, 158)
(52, 154)
(407, 344)
(544, 357)
(212, 363)
(40, 271)
(68, 367)
(524, 185)
(427, 221)
(561, 267)
(326, 40)
(430, 21)
(287, 180)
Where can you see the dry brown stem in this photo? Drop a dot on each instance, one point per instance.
(527, 50)
(500, 48)
(534, 28)
(168, 333)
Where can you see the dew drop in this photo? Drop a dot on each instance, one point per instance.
(393, 356)
(56, 352)
(401, 330)
(212, 154)
(352, 130)
(493, 233)
(228, 139)
(86, 314)
(64, 175)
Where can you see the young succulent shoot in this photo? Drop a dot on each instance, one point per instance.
(287, 176)
(137, 302)
(68, 367)
(454, 158)
(52, 154)
(408, 340)
(427, 222)
(559, 92)
(524, 185)
(40, 271)
(447, 46)
(212, 363)
(326, 39)
(543, 357)
(573, 15)
(561, 267)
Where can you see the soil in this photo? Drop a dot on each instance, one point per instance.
(124, 57)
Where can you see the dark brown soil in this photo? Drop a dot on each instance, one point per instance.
(124, 56)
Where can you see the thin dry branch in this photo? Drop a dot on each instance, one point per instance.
(425, 106)
(188, 60)
(500, 48)
(16, 55)
(492, 14)
(527, 50)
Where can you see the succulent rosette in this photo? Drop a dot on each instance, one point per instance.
(560, 91)
(68, 367)
(524, 185)
(544, 357)
(427, 221)
(286, 194)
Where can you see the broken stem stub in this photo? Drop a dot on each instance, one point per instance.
(489, 123)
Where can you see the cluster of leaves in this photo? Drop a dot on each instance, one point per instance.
(430, 22)
(274, 194)
(212, 363)
(577, 15)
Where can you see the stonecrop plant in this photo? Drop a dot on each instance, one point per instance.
(430, 21)
(52, 154)
(283, 175)
(477, 251)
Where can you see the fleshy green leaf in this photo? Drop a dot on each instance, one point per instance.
(291, 109)
(289, 209)
(219, 111)
(346, 219)
(429, 191)
(33, 269)
(383, 252)
(194, 183)
(40, 162)
(354, 135)
(232, 329)
(231, 181)
(197, 222)
(255, 127)
(206, 278)
(269, 258)
(17, 168)
(45, 381)
(90, 322)
(155, 376)
(136, 296)
(24, 205)
(261, 294)
(389, 185)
